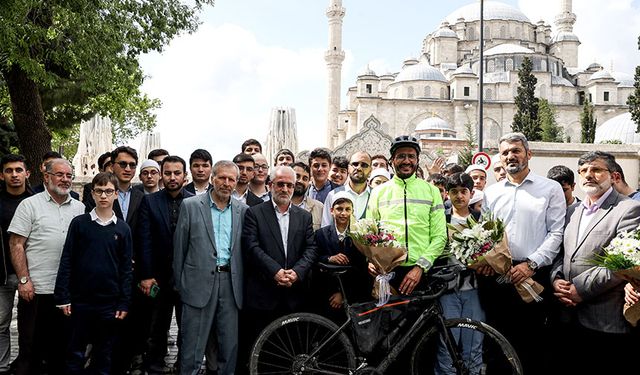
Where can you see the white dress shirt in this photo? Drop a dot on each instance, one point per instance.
(533, 213)
(283, 223)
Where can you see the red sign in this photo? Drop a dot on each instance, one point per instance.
(482, 159)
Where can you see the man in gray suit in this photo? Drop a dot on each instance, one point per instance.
(208, 271)
(592, 297)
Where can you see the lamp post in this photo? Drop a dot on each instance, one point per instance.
(481, 91)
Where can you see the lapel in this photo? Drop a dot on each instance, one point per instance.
(205, 210)
(294, 219)
(602, 212)
(134, 203)
(272, 223)
(117, 210)
(160, 201)
(235, 222)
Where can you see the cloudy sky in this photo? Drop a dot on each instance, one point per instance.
(219, 84)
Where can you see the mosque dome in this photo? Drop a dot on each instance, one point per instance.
(602, 74)
(433, 123)
(507, 48)
(625, 79)
(621, 128)
(367, 72)
(420, 72)
(464, 69)
(595, 66)
(493, 10)
(565, 36)
(445, 31)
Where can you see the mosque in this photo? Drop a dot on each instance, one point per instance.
(435, 94)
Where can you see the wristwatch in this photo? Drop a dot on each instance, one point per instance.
(532, 265)
(24, 280)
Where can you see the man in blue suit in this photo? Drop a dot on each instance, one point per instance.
(158, 218)
(208, 270)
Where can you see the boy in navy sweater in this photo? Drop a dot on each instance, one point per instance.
(93, 285)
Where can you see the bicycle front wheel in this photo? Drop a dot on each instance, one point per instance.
(299, 344)
(478, 347)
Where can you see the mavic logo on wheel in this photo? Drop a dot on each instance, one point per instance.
(463, 325)
(289, 321)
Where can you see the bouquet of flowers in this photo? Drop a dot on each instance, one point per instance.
(379, 245)
(484, 242)
(622, 257)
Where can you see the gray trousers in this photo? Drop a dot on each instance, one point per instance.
(7, 297)
(219, 315)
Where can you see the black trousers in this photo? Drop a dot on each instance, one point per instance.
(43, 335)
(131, 333)
(161, 314)
(91, 324)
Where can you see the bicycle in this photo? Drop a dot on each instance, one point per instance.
(306, 343)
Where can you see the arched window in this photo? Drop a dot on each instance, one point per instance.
(543, 65)
(410, 92)
(488, 94)
(503, 32)
(509, 64)
(491, 66)
(494, 132)
(427, 91)
(443, 93)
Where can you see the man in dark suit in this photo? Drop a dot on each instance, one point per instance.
(158, 219)
(594, 327)
(279, 250)
(246, 166)
(209, 272)
(200, 163)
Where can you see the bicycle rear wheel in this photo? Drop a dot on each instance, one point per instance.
(491, 353)
(286, 345)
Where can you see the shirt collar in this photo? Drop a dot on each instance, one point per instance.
(125, 192)
(50, 198)
(275, 207)
(213, 204)
(327, 182)
(531, 177)
(95, 217)
(347, 188)
(597, 204)
(341, 235)
(179, 196)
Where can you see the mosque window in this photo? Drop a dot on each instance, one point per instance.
(466, 91)
(410, 92)
(543, 65)
(443, 93)
(509, 65)
(488, 94)
(427, 91)
(503, 32)
(494, 132)
(491, 66)
(606, 96)
(590, 98)
(368, 88)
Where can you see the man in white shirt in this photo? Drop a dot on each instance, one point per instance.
(533, 209)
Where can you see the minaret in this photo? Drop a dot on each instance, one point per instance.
(334, 58)
(565, 44)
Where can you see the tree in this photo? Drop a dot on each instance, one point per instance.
(525, 119)
(588, 122)
(466, 153)
(634, 99)
(64, 61)
(550, 131)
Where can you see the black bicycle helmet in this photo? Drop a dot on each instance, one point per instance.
(404, 141)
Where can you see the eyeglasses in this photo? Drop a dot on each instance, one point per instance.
(282, 184)
(107, 192)
(357, 164)
(406, 156)
(148, 173)
(262, 166)
(597, 171)
(124, 164)
(61, 175)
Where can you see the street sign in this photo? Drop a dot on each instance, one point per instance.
(482, 159)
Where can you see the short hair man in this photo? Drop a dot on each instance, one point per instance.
(356, 186)
(258, 184)
(279, 250)
(200, 163)
(499, 173)
(533, 210)
(251, 147)
(564, 176)
(38, 230)
(479, 176)
(284, 157)
(158, 220)
(158, 155)
(14, 173)
(321, 185)
(104, 165)
(379, 161)
(620, 183)
(424, 232)
(93, 284)
(246, 166)
(150, 176)
(300, 197)
(47, 157)
(208, 270)
(339, 170)
(451, 168)
(593, 296)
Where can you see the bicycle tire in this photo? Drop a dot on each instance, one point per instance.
(283, 347)
(496, 356)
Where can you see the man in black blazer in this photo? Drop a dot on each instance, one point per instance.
(200, 164)
(246, 165)
(158, 219)
(279, 250)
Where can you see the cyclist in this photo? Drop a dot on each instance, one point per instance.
(413, 210)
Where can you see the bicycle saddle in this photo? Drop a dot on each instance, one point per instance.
(333, 268)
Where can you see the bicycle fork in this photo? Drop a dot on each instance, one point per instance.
(450, 343)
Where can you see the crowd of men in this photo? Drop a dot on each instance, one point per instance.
(100, 279)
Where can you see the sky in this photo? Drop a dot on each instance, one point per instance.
(219, 84)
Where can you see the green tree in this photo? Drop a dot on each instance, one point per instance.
(634, 99)
(466, 153)
(550, 131)
(525, 119)
(64, 61)
(588, 122)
